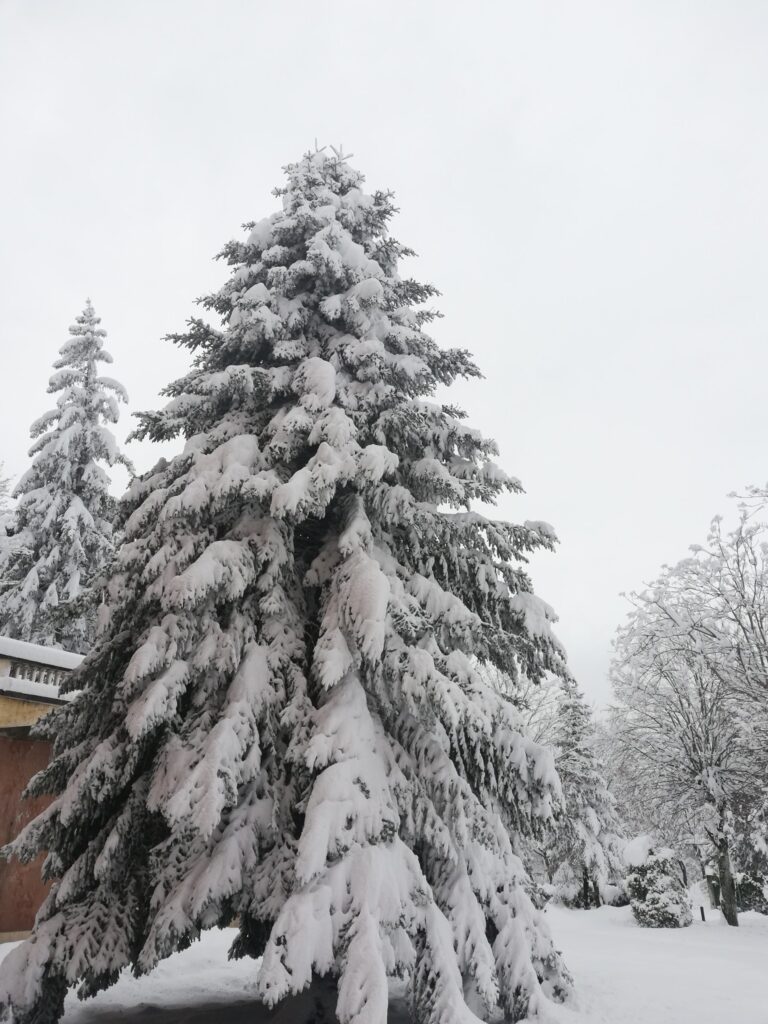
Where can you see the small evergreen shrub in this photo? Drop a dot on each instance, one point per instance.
(656, 894)
(751, 889)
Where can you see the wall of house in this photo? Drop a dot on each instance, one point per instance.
(21, 889)
(30, 677)
(16, 713)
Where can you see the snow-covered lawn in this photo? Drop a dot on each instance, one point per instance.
(705, 974)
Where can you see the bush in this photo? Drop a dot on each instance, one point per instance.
(615, 895)
(656, 894)
(751, 890)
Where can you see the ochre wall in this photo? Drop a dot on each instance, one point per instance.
(15, 712)
(21, 890)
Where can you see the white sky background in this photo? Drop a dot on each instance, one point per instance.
(584, 181)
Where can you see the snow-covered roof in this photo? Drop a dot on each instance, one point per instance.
(26, 689)
(38, 654)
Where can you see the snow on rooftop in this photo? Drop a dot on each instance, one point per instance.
(38, 654)
(22, 688)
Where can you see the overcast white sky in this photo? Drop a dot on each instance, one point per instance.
(584, 181)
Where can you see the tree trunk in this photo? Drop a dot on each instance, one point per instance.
(585, 887)
(548, 866)
(683, 872)
(596, 894)
(727, 887)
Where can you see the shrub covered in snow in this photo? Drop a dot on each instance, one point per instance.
(750, 849)
(656, 893)
(284, 720)
(615, 894)
(752, 892)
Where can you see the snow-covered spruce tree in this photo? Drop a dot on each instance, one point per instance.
(4, 491)
(60, 538)
(657, 896)
(5, 508)
(282, 721)
(584, 854)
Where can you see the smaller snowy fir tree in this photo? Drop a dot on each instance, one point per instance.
(283, 721)
(5, 506)
(4, 490)
(584, 855)
(61, 533)
(656, 892)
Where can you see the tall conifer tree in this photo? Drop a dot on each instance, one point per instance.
(584, 854)
(5, 507)
(60, 537)
(4, 490)
(284, 721)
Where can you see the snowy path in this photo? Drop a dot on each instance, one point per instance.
(706, 974)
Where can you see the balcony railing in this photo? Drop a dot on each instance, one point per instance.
(33, 672)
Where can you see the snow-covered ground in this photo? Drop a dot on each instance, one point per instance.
(198, 986)
(705, 974)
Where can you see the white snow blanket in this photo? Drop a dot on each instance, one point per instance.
(706, 974)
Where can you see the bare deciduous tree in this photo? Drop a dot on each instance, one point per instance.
(691, 680)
